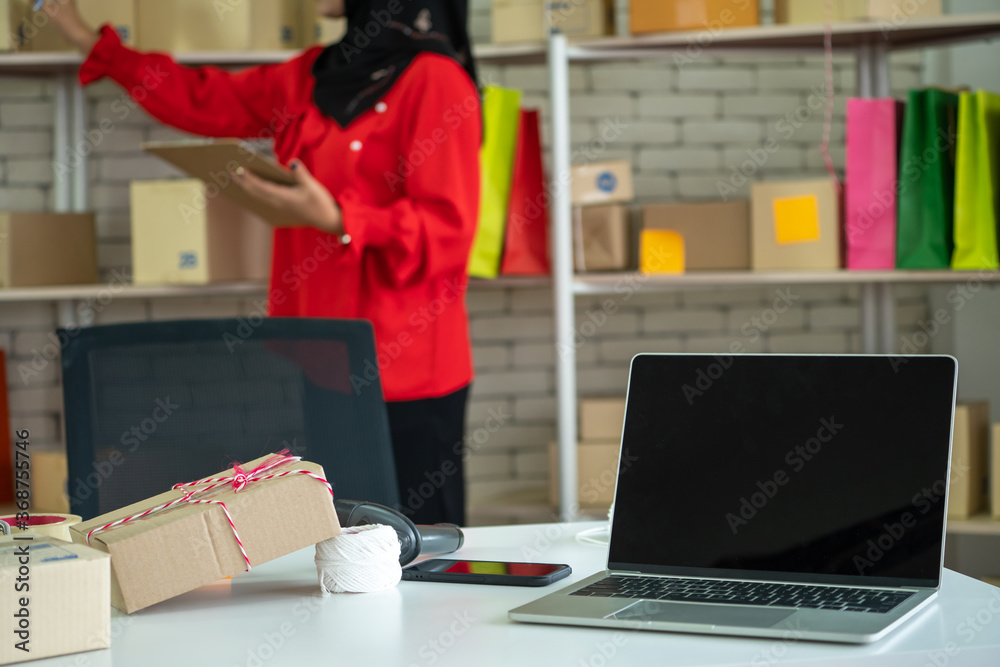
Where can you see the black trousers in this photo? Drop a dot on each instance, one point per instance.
(427, 440)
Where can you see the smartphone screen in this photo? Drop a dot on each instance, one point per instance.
(486, 572)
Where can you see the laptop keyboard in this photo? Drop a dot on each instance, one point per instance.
(745, 592)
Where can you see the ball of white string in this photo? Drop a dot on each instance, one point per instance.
(362, 559)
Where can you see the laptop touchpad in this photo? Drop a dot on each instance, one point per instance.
(651, 611)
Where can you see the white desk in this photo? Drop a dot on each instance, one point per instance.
(274, 616)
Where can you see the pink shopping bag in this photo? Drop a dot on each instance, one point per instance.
(872, 185)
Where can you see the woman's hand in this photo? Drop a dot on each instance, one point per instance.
(65, 15)
(309, 200)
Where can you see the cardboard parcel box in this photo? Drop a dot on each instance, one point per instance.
(602, 419)
(795, 225)
(527, 21)
(45, 249)
(814, 11)
(12, 15)
(602, 183)
(186, 546)
(67, 598)
(666, 15)
(40, 34)
(602, 238)
(597, 473)
(198, 25)
(716, 234)
(969, 490)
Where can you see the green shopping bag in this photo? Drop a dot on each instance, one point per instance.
(977, 182)
(501, 119)
(925, 232)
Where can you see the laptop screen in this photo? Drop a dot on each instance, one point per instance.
(791, 468)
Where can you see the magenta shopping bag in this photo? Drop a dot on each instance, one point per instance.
(872, 182)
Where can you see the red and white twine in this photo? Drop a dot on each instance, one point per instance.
(239, 481)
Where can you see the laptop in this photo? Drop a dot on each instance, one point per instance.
(774, 496)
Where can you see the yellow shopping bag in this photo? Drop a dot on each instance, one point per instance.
(977, 182)
(501, 118)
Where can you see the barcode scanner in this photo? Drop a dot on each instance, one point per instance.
(414, 540)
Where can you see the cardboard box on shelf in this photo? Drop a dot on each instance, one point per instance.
(188, 545)
(194, 25)
(602, 238)
(969, 489)
(602, 183)
(795, 225)
(41, 34)
(716, 234)
(183, 236)
(597, 473)
(811, 11)
(526, 20)
(667, 15)
(601, 419)
(49, 472)
(12, 18)
(995, 473)
(68, 604)
(45, 249)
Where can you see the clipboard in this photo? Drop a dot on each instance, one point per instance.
(213, 161)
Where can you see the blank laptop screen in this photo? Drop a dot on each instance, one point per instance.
(806, 468)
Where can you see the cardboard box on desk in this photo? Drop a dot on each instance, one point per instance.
(182, 236)
(795, 225)
(811, 11)
(42, 35)
(969, 490)
(597, 473)
(667, 15)
(526, 20)
(602, 238)
(601, 419)
(716, 234)
(49, 473)
(187, 546)
(195, 25)
(68, 599)
(44, 249)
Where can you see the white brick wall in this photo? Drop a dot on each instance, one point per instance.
(685, 128)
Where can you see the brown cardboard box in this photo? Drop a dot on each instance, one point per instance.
(666, 15)
(38, 249)
(795, 225)
(526, 21)
(601, 419)
(49, 473)
(190, 545)
(12, 15)
(42, 35)
(602, 238)
(716, 234)
(602, 183)
(195, 25)
(597, 473)
(68, 602)
(182, 236)
(969, 489)
(995, 473)
(813, 12)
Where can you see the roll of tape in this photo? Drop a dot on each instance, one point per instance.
(50, 525)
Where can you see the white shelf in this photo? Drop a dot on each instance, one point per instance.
(611, 283)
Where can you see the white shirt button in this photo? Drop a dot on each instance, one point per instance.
(381, 107)
(355, 145)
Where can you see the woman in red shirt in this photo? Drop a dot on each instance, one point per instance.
(383, 131)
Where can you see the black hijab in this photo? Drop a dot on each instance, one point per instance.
(383, 37)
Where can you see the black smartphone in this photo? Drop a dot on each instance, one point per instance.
(486, 572)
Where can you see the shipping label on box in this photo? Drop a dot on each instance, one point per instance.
(41, 34)
(602, 238)
(969, 489)
(195, 25)
(181, 546)
(56, 598)
(716, 234)
(181, 235)
(667, 15)
(602, 183)
(795, 226)
(47, 249)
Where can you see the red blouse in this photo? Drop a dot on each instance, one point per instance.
(405, 174)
